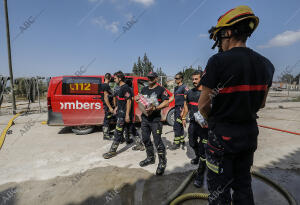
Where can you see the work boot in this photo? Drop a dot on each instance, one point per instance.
(200, 174)
(195, 160)
(122, 140)
(162, 163)
(175, 146)
(139, 144)
(128, 139)
(112, 152)
(182, 145)
(150, 157)
(106, 134)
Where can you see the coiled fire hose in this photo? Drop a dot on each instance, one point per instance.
(175, 199)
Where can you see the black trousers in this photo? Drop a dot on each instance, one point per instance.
(130, 129)
(178, 127)
(229, 158)
(197, 139)
(108, 118)
(154, 127)
(120, 127)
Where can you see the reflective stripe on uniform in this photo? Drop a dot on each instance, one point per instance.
(202, 159)
(176, 140)
(204, 141)
(241, 88)
(212, 167)
(193, 103)
(182, 138)
(119, 128)
(178, 120)
(120, 98)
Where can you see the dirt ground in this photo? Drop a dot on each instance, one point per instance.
(51, 165)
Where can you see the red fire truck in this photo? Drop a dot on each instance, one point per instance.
(75, 101)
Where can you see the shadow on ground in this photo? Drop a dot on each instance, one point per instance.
(128, 186)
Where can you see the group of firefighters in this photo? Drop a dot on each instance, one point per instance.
(221, 106)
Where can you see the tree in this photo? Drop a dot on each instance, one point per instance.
(297, 77)
(187, 75)
(286, 78)
(147, 65)
(135, 70)
(142, 67)
(286, 75)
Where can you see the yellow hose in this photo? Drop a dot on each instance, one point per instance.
(3, 134)
(189, 196)
(291, 200)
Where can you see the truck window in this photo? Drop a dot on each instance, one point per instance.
(81, 86)
(141, 84)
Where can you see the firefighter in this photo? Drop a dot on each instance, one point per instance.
(197, 134)
(235, 84)
(122, 111)
(152, 124)
(179, 92)
(108, 106)
(131, 130)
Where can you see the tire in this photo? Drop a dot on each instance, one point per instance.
(170, 117)
(83, 130)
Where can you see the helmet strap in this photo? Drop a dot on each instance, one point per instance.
(220, 36)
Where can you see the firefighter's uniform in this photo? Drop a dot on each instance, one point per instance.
(108, 117)
(241, 77)
(197, 135)
(152, 124)
(122, 95)
(179, 93)
(130, 129)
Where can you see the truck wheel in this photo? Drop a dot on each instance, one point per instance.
(83, 130)
(170, 117)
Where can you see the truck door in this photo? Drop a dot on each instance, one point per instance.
(80, 101)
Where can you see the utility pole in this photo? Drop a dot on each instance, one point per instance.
(9, 58)
(38, 90)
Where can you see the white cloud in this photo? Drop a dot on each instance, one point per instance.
(144, 2)
(284, 39)
(112, 27)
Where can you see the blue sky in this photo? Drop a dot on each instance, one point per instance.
(70, 34)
